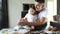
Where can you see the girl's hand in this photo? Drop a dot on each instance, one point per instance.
(38, 21)
(32, 28)
(21, 20)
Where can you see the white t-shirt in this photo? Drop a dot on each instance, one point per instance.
(43, 14)
(30, 18)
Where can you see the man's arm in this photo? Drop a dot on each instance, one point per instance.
(38, 23)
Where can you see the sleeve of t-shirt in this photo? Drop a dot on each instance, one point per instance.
(26, 16)
(44, 13)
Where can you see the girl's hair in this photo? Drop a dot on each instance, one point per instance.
(40, 1)
(32, 6)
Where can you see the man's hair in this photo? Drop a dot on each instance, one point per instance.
(40, 1)
(32, 6)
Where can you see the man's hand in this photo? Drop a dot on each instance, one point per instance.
(22, 22)
(41, 22)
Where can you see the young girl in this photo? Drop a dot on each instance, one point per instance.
(30, 16)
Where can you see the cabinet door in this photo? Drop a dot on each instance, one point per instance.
(3, 14)
(58, 7)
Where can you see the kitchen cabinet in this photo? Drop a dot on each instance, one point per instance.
(3, 14)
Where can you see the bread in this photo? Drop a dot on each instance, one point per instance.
(54, 29)
(49, 28)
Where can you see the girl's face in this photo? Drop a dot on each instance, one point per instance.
(32, 11)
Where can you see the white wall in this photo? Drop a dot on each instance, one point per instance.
(15, 8)
(52, 10)
(14, 12)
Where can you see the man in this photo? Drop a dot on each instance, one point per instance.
(42, 15)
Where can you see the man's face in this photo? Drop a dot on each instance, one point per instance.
(37, 6)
